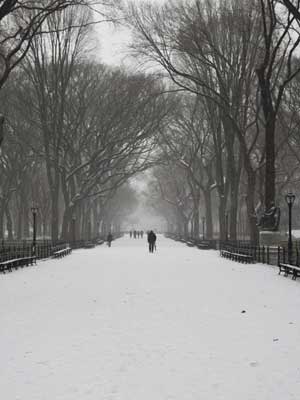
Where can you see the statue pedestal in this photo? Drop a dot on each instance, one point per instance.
(271, 238)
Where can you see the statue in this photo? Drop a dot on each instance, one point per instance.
(269, 220)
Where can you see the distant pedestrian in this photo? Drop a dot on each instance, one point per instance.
(142, 234)
(134, 234)
(151, 241)
(130, 234)
(109, 239)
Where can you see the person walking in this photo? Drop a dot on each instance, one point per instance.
(109, 239)
(151, 241)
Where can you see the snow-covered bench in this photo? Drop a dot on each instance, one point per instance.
(240, 257)
(203, 245)
(62, 252)
(89, 245)
(16, 263)
(293, 270)
(190, 243)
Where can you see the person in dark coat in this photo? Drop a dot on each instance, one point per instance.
(109, 239)
(151, 241)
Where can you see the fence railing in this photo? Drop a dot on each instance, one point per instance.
(261, 254)
(20, 249)
(209, 243)
(272, 255)
(10, 249)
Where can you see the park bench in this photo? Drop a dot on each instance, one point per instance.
(62, 252)
(240, 257)
(89, 245)
(16, 263)
(203, 245)
(190, 243)
(293, 270)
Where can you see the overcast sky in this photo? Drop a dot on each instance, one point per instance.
(112, 42)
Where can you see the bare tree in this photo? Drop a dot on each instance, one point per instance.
(275, 70)
(208, 49)
(293, 7)
(49, 66)
(21, 21)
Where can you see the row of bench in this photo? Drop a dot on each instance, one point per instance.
(201, 245)
(15, 263)
(90, 245)
(247, 258)
(20, 262)
(287, 269)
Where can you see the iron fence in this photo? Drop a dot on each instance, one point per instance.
(11, 249)
(272, 255)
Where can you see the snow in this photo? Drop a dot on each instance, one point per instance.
(122, 324)
(295, 233)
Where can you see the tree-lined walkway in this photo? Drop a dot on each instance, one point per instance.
(120, 323)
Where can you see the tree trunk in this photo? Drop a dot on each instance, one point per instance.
(54, 214)
(196, 217)
(270, 162)
(178, 225)
(26, 218)
(222, 219)
(250, 202)
(185, 228)
(233, 213)
(95, 214)
(233, 173)
(20, 219)
(9, 224)
(208, 214)
(2, 221)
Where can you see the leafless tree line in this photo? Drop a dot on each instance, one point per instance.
(233, 141)
(75, 132)
(219, 117)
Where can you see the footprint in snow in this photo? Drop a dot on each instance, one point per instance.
(254, 364)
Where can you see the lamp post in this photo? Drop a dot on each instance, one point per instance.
(203, 228)
(290, 198)
(34, 212)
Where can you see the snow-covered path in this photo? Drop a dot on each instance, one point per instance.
(122, 324)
